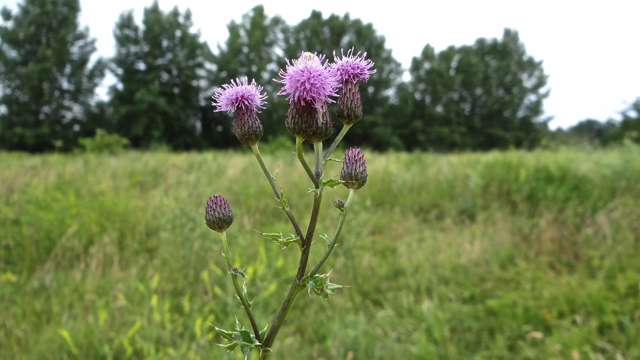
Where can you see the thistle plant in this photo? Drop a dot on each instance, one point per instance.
(310, 83)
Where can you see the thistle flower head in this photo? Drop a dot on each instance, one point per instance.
(352, 68)
(308, 80)
(354, 170)
(239, 94)
(243, 99)
(339, 203)
(218, 215)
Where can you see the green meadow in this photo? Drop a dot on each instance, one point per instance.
(499, 255)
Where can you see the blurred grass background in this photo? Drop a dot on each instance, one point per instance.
(500, 255)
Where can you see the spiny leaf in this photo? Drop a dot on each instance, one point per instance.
(282, 240)
(326, 238)
(321, 286)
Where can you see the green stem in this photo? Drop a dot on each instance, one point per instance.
(287, 211)
(297, 285)
(336, 141)
(234, 278)
(317, 147)
(343, 215)
(304, 162)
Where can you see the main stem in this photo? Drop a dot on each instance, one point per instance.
(343, 215)
(297, 284)
(234, 278)
(287, 211)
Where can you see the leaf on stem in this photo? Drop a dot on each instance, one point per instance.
(321, 286)
(240, 337)
(283, 202)
(282, 240)
(332, 183)
(326, 238)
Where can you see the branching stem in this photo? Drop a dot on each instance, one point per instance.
(234, 278)
(343, 214)
(287, 211)
(336, 141)
(304, 162)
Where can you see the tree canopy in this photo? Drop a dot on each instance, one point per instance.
(47, 80)
(162, 70)
(481, 96)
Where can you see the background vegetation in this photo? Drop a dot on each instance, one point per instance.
(488, 95)
(501, 255)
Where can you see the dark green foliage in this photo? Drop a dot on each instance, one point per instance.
(326, 35)
(487, 95)
(253, 49)
(594, 132)
(46, 80)
(162, 71)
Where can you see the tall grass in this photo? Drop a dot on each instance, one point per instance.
(502, 255)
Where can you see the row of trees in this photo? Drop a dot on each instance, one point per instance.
(481, 96)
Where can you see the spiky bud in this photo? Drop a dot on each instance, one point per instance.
(247, 126)
(339, 204)
(349, 106)
(309, 122)
(218, 215)
(354, 169)
(243, 99)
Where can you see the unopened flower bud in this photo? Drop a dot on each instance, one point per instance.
(339, 204)
(354, 170)
(218, 215)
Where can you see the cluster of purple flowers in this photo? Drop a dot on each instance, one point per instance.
(309, 83)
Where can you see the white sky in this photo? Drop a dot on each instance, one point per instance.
(590, 49)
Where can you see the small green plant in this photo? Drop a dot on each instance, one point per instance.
(309, 83)
(104, 142)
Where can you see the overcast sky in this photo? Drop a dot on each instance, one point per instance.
(590, 49)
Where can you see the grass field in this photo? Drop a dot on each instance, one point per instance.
(501, 255)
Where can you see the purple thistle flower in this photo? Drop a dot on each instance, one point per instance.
(218, 214)
(239, 94)
(354, 169)
(308, 79)
(352, 68)
(243, 99)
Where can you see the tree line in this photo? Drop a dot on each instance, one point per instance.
(473, 97)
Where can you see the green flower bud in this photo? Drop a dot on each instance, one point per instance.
(339, 204)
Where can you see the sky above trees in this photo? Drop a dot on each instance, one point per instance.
(589, 50)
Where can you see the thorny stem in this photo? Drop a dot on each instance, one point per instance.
(336, 141)
(343, 214)
(234, 278)
(297, 285)
(304, 162)
(287, 211)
